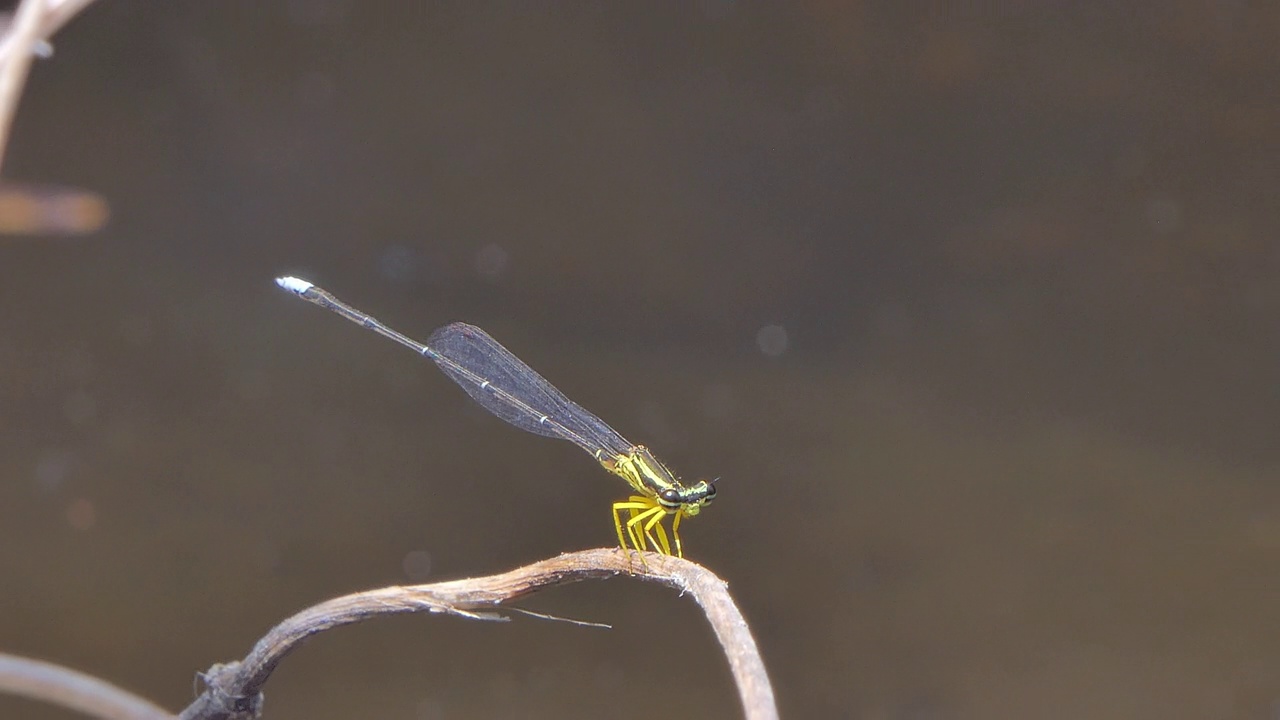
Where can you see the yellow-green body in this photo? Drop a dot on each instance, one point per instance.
(660, 494)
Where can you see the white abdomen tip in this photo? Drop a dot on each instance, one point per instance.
(293, 284)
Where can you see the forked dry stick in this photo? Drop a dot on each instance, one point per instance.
(234, 690)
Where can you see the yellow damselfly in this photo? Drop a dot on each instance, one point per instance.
(514, 392)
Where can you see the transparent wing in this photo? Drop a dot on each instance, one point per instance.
(515, 392)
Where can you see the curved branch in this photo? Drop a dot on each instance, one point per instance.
(69, 688)
(234, 690)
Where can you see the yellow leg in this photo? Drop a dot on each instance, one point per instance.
(655, 523)
(637, 540)
(635, 506)
(643, 525)
(618, 507)
(638, 507)
(638, 519)
(675, 533)
(627, 540)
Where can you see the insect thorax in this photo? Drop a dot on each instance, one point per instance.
(642, 471)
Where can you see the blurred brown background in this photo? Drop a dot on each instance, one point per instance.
(976, 315)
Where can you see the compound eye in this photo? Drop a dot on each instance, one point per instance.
(711, 492)
(670, 496)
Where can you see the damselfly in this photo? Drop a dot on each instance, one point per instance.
(513, 391)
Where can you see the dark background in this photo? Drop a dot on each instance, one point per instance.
(974, 313)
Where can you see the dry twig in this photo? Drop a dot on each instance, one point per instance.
(234, 689)
(68, 688)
